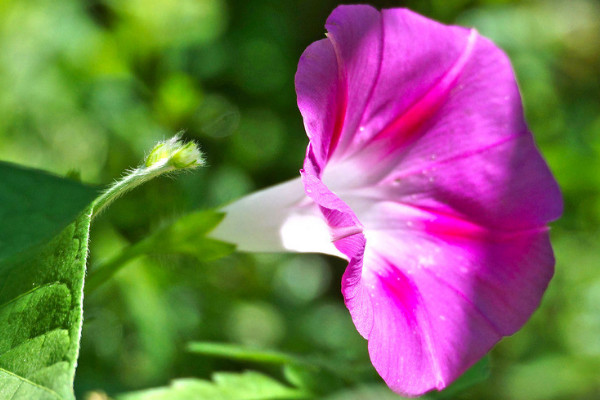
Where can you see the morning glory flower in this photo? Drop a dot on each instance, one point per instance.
(422, 173)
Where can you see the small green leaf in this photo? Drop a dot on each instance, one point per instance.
(43, 248)
(225, 386)
(241, 353)
(187, 235)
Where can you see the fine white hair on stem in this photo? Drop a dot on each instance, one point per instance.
(166, 157)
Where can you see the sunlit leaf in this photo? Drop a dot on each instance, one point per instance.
(43, 249)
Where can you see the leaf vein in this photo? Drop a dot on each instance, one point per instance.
(27, 381)
(47, 285)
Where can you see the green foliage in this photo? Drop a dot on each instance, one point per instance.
(312, 374)
(225, 386)
(44, 236)
(186, 235)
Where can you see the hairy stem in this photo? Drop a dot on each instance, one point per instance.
(166, 157)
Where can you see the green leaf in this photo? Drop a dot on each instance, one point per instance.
(35, 206)
(225, 386)
(187, 235)
(43, 248)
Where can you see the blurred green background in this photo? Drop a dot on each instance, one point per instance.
(89, 86)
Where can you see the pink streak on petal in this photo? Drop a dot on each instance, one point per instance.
(405, 127)
(482, 107)
(507, 186)
(321, 98)
(342, 101)
(347, 62)
(356, 35)
(415, 54)
(401, 342)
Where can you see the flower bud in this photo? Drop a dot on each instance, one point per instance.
(187, 156)
(159, 154)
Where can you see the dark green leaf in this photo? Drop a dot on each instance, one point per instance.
(35, 206)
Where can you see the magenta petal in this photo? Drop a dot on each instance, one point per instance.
(503, 186)
(431, 293)
(432, 305)
(321, 97)
(482, 110)
(345, 229)
(335, 78)
(421, 61)
(356, 33)
(370, 84)
(447, 130)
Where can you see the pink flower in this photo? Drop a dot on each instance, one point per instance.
(422, 173)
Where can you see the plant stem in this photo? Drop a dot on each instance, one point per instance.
(130, 181)
(167, 156)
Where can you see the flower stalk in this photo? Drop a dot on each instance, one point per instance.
(168, 156)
